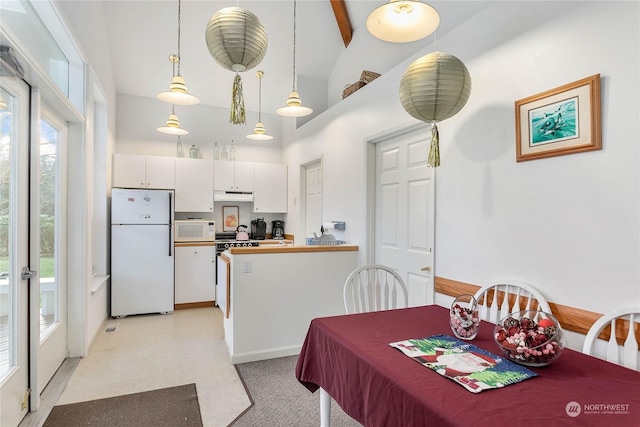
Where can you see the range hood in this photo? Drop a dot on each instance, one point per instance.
(232, 196)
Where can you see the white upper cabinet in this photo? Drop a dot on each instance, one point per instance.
(270, 188)
(138, 171)
(194, 185)
(233, 176)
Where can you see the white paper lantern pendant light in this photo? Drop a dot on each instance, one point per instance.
(434, 88)
(237, 41)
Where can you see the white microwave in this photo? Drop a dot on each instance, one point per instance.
(194, 230)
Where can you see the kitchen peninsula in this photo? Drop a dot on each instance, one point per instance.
(272, 293)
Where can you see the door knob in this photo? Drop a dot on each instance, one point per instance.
(26, 274)
(425, 269)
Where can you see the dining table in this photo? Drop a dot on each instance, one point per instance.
(348, 357)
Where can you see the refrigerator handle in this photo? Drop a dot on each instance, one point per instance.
(170, 223)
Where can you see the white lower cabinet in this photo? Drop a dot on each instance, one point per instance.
(195, 273)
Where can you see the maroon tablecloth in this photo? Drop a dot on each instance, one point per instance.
(350, 357)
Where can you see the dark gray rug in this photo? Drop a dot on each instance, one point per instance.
(173, 406)
(278, 399)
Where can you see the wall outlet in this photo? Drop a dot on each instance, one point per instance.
(246, 267)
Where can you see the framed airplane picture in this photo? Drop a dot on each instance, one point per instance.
(564, 120)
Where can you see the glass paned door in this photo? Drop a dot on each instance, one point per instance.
(49, 288)
(14, 215)
(7, 338)
(47, 243)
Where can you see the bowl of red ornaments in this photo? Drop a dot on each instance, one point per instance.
(530, 337)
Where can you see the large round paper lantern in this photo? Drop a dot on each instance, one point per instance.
(434, 88)
(237, 41)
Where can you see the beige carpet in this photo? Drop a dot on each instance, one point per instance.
(173, 406)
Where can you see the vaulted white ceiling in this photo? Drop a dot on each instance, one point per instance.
(143, 33)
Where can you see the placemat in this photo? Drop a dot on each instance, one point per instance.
(472, 367)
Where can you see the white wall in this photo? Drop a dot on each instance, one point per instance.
(88, 309)
(568, 225)
(138, 118)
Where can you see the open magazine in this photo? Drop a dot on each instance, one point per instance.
(472, 367)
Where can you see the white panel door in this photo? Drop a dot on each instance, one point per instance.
(404, 219)
(313, 197)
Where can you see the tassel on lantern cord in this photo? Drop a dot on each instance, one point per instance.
(237, 116)
(434, 150)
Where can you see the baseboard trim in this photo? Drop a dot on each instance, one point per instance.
(194, 305)
(272, 353)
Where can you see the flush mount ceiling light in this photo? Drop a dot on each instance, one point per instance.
(173, 126)
(259, 132)
(434, 88)
(178, 94)
(403, 21)
(237, 41)
(294, 106)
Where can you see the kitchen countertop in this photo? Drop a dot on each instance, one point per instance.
(267, 249)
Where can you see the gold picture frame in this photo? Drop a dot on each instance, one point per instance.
(230, 218)
(564, 120)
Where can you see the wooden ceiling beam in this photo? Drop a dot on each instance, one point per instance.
(342, 18)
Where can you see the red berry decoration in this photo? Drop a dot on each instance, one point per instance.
(464, 320)
(530, 338)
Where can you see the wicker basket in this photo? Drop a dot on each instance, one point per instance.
(368, 76)
(352, 88)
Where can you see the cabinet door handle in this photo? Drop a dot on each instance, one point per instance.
(425, 269)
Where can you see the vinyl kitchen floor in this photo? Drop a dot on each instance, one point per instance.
(155, 351)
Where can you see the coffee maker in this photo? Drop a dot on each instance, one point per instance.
(277, 229)
(258, 229)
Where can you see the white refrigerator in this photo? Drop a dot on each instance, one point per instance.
(142, 261)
